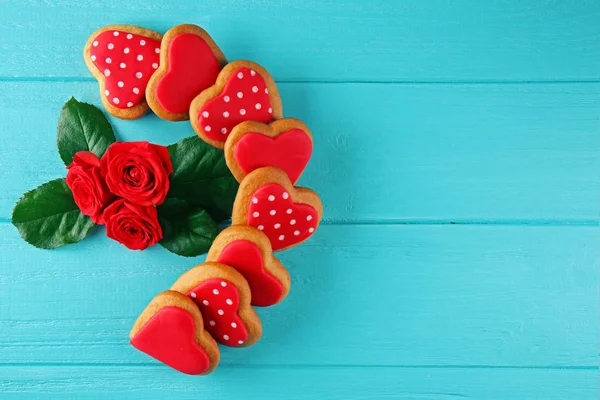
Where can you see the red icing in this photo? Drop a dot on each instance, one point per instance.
(218, 116)
(286, 223)
(127, 62)
(169, 336)
(193, 67)
(246, 258)
(219, 301)
(289, 151)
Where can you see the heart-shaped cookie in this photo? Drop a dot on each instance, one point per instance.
(286, 144)
(268, 201)
(123, 58)
(223, 296)
(170, 329)
(248, 250)
(244, 91)
(190, 62)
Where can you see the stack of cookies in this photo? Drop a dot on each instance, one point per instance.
(235, 107)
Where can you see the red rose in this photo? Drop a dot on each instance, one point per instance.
(89, 190)
(132, 225)
(137, 171)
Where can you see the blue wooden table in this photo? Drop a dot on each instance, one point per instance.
(457, 153)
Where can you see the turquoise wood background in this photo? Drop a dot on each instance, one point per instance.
(458, 159)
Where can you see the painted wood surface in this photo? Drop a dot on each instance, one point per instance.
(458, 158)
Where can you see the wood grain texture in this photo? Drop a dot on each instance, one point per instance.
(430, 152)
(400, 295)
(330, 40)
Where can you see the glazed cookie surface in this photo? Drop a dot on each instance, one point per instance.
(170, 329)
(223, 296)
(244, 91)
(268, 201)
(123, 58)
(190, 62)
(248, 250)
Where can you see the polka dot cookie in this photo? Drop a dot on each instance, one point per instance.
(248, 250)
(190, 62)
(223, 297)
(123, 58)
(170, 329)
(244, 91)
(268, 201)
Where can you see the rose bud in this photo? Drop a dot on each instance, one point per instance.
(132, 225)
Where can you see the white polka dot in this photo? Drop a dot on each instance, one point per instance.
(205, 114)
(140, 57)
(116, 100)
(207, 128)
(272, 212)
(277, 226)
(223, 130)
(108, 60)
(136, 90)
(257, 106)
(142, 42)
(122, 65)
(215, 291)
(220, 312)
(240, 342)
(157, 50)
(126, 50)
(242, 112)
(308, 217)
(271, 198)
(261, 227)
(293, 222)
(255, 200)
(226, 337)
(130, 104)
(226, 114)
(212, 323)
(266, 90)
(93, 58)
(255, 89)
(226, 99)
(252, 72)
(107, 72)
(138, 75)
(116, 33)
(106, 92)
(95, 44)
(229, 302)
(296, 233)
(240, 75)
(233, 325)
(270, 110)
(223, 283)
(129, 36)
(193, 295)
(289, 211)
(110, 46)
(311, 230)
(281, 237)
(285, 195)
(205, 302)
(240, 95)
(120, 84)
(255, 214)
(155, 65)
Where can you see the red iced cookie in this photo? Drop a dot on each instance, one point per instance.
(190, 62)
(223, 297)
(123, 58)
(249, 251)
(244, 91)
(268, 201)
(286, 144)
(170, 329)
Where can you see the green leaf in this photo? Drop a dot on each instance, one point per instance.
(47, 216)
(82, 127)
(201, 177)
(187, 231)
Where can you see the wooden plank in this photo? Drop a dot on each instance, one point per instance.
(361, 295)
(318, 40)
(382, 152)
(85, 382)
